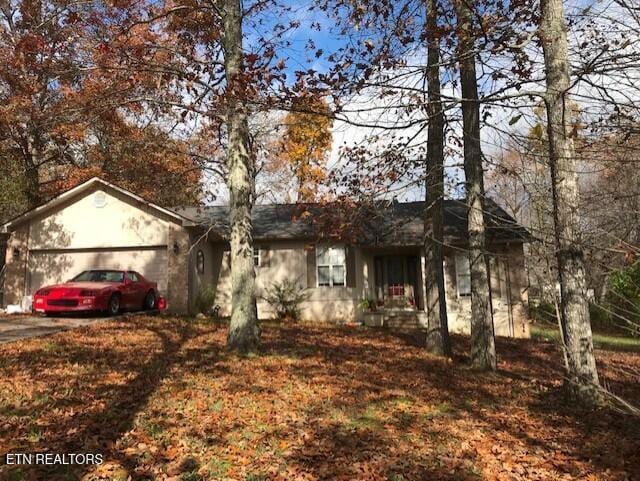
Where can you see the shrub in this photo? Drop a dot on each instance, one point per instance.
(367, 304)
(543, 311)
(286, 298)
(600, 317)
(623, 298)
(205, 299)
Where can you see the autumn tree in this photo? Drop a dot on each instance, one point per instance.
(574, 307)
(210, 80)
(13, 200)
(244, 334)
(438, 341)
(483, 350)
(306, 143)
(40, 45)
(60, 85)
(141, 158)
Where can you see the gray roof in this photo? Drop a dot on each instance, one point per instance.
(384, 223)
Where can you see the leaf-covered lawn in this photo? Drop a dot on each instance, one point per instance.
(161, 399)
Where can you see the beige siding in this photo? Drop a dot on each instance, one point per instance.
(52, 267)
(85, 222)
(287, 260)
(510, 316)
(99, 228)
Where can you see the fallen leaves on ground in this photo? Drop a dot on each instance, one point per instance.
(161, 399)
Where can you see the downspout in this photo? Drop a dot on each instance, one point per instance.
(509, 303)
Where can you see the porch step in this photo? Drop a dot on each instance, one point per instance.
(396, 320)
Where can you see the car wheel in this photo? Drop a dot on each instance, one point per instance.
(113, 308)
(149, 301)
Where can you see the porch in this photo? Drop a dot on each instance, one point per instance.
(394, 292)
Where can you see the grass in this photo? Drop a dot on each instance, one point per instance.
(164, 400)
(547, 332)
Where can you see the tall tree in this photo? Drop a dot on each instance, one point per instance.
(40, 45)
(438, 341)
(306, 143)
(582, 375)
(142, 158)
(244, 333)
(483, 350)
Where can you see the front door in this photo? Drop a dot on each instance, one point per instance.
(395, 277)
(396, 281)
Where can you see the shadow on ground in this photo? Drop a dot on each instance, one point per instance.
(161, 399)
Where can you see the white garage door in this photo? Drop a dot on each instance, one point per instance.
(54, 266)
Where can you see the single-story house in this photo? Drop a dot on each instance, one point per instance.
(185, 249)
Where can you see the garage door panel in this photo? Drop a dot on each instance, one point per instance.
(51, 267)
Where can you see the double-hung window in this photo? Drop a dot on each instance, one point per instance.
(463, 275)
(256, 257)
(331, 266)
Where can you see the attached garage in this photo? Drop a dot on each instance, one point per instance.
(97, 225)
(52, 267)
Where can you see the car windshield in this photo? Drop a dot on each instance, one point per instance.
(100, 276)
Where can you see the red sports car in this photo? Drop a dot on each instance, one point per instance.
(98, 290)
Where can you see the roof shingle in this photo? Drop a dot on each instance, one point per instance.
(385, 223)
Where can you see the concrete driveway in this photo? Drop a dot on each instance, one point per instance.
(14, 328)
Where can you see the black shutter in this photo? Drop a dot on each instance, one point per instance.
(265, 256)
(311, 266)
(351, 266)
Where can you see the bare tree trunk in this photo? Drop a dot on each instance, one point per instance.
(32, 187)
(483, 350)
(438, 341)
(582, 379)
(244, 334)
(32, 165)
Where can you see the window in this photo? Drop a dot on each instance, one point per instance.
(331, 266)
(133, 276)
(100, 276)
(256, 257)
(395, 276)
(463, 275)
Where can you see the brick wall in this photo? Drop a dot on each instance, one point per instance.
(16, 266)
(178, 270)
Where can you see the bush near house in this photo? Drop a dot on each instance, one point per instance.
(205, 299)
(286, 298)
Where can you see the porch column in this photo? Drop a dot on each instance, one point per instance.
(365, 276)
(423, 278)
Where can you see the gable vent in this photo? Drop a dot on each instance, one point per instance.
(99, 199)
